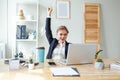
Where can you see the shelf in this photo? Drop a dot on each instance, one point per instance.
(27, 1)
(25, 40)
(26, 27)
(26, 20)
(92, 41)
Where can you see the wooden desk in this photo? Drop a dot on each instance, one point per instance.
(87, 72)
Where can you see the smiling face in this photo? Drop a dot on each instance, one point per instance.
(62, 33)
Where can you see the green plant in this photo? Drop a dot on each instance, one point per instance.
(97, 53)
(96, 56)
(31, 61)
(16, 55)
(21, 55)
(99, 60)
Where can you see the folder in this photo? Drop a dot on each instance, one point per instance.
(65, 72)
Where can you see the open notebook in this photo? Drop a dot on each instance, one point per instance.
(80, 54)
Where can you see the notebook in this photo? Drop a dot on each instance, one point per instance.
(80, 54)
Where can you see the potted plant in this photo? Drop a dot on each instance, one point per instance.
(16, 56)
(99, 64)
(31, 63)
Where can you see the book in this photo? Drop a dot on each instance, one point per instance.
(21, 32)
(18, 32)
(115, 65)
(65, 71)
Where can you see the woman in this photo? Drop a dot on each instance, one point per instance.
(58, 46)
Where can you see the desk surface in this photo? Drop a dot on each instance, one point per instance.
(87, 72)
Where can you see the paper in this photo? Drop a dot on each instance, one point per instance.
(115, 65)
(64, 71)
(14, 64)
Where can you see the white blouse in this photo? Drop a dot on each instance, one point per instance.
(59, 51)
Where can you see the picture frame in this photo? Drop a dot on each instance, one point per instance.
(63, 9)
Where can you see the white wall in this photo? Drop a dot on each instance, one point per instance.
(109, 28)
(11, 26)
(3, 21)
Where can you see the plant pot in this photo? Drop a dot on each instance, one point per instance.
(99, 65)
(30, 66)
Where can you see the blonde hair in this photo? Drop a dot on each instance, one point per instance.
(62, 27)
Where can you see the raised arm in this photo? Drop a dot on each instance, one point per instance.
(49, 11)
(48, 26)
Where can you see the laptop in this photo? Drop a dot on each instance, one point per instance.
(80, 54)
